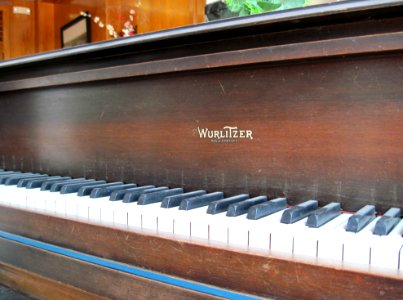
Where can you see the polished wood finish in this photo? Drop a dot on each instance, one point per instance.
(40, 287)
(59, 277)
(262, 274)
(166, 14)
(4, 39)
(21, 39)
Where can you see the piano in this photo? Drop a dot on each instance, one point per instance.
(256, 157)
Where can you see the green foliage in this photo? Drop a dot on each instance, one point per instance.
(252, 7)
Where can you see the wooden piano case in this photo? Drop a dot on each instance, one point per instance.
(320, 89)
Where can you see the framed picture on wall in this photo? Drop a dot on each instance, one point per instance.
(76, 32)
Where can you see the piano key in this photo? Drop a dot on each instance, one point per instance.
(14, 180)
(357, 244)
(107, 191)
(183, 221)
(173, 201)
(323, 215)
(308, 242)
(259, 231)
(388, 221)
(330, 243)
(24, 181)
(361, 218)
(57, 186)
(134, 195)
(240, 208)
(7, 175)
(154, 197)
(200, 219)
(200, 201)
(37, 183)
(87, 189)
(75, 187)
(222, 205)
(299, 212)
(282, 235)
(267, 208)
(46, 185)
(386, 250)
(119, 194)
(169, 210)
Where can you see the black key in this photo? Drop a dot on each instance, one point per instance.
(222, 205)
(323, 215)
(200, 201)
(21, 181)
(299, 212)
(388, 221)
(47, 186)
(7, 174)
(107, 191)
(37, 183)
(119, 194)
(3, 178)
(57, 187)
(133, 196)
(361, 218)
(264, 209)
(158, 196)
(174, 201)
(240, 208)
(74, 187)
(87, 189)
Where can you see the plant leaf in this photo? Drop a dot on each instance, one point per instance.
(287, 4)
(268, 5)
(234, 5)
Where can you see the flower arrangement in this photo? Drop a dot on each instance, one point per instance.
(128, 28)
(251, 7)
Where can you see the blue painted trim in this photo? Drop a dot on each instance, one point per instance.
(198, 287)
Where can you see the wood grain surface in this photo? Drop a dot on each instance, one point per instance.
(328, 130)
(46, 275)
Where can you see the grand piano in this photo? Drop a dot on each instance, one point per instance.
(289, 117)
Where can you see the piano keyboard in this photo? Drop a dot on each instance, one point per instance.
(238, 221)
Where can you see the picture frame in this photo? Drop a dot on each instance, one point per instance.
(76, 32)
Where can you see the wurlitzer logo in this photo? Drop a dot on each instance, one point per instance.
(229, 134)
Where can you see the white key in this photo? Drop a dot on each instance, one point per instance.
(229, 230)
(260, 231)
(307, 241)
(166, 220)
(357, 246)
(282, 236)
(183, 221)
(385, 250)
(330, 243)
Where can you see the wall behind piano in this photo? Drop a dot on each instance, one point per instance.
(40, 30)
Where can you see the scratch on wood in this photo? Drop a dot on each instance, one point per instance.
(222, 87)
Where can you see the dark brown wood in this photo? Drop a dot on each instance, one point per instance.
(328, 130)
(263, 274)
(40, 287)
(51, 276)
(378, 44)
(78, 276)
